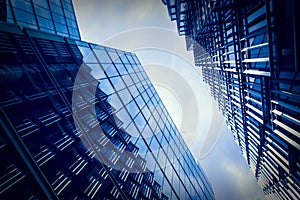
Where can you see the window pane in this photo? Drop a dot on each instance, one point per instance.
(24, 16)
(42, 3)
(106, 87)
(102, 56)
(55, 8)
(42, 12)
(45, 23)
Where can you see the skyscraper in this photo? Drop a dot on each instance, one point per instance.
(52, 16)
(80, 120)
(249, 55)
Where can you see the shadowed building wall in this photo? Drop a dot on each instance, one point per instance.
(249, 55)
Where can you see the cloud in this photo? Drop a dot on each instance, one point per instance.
(95, 16)
(229, 172)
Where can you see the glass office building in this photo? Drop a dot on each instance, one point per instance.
(52, 16)
(83, 121)
(249, 55)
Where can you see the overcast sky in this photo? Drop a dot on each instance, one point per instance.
(144, 27)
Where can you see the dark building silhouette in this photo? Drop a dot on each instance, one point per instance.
(80, 120)
(249, 55)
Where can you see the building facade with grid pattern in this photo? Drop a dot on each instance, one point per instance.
(83, 121)
(52, 16)
(249, 55)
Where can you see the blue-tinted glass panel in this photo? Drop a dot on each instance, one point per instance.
(121, 68)
(129, 57)
(69, 15)
(102, 56)
(24, 17)
(59, 18)
(111, 70)
(140, 122)
(46, 23)
(126, 97)
(88, 55)
(106, 86)
(127, 80)
(67, 5)
(119, 84)
(56, 8)
(42, 3)
(44, 12)
(61, 28)
(113, 55)
(23, 5)
(124, 58)
(122, 114)
(132, 109)
(71, 23)
(74, 32)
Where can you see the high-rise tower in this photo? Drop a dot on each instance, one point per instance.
(52, 16)
(249, 55)
(80, 120)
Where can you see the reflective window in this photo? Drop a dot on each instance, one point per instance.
(134, 78)
(124, 58)
(73, 31)
(71, 23)
(106, 86)
(119, 84)
(56, 8)
(121, 68)
(111, 70)
(61, 29)
(129, 57)
(88, 56)
(67, 5)
(46, 23)
(113, 55)
(126, 97)
(122, 114)
(127, 80)
(146, 113)
(96, 71)
(42, 11)
(102, 56)
(24, 16)
(140, 122)
(140, 102)
(132, 109)
(59, 18)
(42, 3)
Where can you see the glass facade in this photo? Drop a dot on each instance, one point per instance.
(83, 121)
(52, 16)
(248, 52)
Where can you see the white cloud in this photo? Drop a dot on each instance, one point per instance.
(229, 172)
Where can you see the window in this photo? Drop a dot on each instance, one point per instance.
(23, 16)
(93, 187)
(102, 56)
(43, 12)
(46, 23)
(106, 87)
(115, 192)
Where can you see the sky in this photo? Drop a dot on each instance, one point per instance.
(144, 27)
